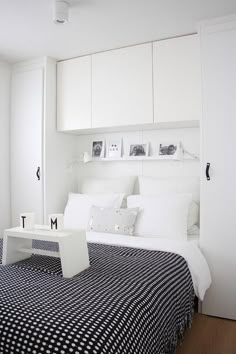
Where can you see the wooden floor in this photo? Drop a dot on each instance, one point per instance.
(209, 335)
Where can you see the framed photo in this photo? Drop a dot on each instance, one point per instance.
(98, 148)
(170, 150)
(139, 149)
(114, 148)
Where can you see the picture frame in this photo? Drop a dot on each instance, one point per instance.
(170, 150)
(114, 148)
(98, 148)
(138, 149)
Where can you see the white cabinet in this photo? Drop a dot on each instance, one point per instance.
(74, 94)
(26, 143)
(122, 87)
(218, 195)
(140, 85)
(177, 79)
(40, 181)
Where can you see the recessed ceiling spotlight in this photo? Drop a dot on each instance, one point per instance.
(61, 11)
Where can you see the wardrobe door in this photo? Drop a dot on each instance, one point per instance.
(218, 187)
(74, 94)
(122, 87)
(26, 144)
(177, 79)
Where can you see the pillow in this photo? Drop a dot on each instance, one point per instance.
(193, 215)
(161, 216)
(170, 185)
(78, 207)
(124, 185)
(116, 221)
(157, 186)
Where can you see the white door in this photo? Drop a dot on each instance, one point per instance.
(177, 79)
(74, 94)
(218, 195)
(122, 87)
(26, 144)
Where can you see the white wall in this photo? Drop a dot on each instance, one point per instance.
(5, 75)
(190, 137)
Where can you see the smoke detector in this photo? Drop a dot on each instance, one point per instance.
(61, 11)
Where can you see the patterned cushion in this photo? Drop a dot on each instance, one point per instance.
(116, 221)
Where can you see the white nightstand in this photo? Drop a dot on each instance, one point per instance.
(73, 250)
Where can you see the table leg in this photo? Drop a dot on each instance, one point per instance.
(11, 247)
(74, 254)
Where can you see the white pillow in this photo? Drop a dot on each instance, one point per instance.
(124, 185)
(157, 186)
(193, 215)
(163, 216)
(181, 185)
(78, 207)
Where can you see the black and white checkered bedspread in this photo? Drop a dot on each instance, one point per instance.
(128, 301)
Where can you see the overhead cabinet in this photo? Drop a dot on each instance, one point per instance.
(177, 79)
(134, 86)
(74, 94)
(122, 87)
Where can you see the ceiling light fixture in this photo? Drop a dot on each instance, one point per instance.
(60, 11)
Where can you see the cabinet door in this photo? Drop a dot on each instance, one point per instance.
(122, 87)
(74, 94)
(177, 79)
(218, 195)
(26, 144)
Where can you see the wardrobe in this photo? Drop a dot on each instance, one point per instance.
(218, 166)
(41, 177)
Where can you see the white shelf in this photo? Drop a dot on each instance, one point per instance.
(40, 252)
(140, 158)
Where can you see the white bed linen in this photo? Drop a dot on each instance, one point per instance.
(189, 251)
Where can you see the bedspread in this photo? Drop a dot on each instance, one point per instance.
(128, 301)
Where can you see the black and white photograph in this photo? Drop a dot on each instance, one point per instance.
(98, 148)
(138, 149)
(170, 150)
(167, 149)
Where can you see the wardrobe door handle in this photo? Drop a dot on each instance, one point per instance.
(38, 173)
(207, 171)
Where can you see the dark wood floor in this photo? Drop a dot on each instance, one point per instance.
(209, 335)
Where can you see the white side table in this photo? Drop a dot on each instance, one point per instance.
(73, 250)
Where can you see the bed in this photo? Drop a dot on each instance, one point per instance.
(136, 297)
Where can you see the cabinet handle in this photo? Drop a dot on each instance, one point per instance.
(207, 171)
(38, 173)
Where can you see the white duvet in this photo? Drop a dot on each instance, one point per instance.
(189, 251)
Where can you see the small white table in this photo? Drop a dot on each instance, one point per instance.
(73, 250)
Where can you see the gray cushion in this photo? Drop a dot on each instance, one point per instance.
(109, 220)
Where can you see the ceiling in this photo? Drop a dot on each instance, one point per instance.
(27, 30)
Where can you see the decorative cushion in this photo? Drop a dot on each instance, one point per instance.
(109, 220)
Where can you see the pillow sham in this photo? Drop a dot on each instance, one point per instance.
(78, 207)
(182, 185)
(112, 220)
(108, 185)
(163, 216)
(170, 185)
(124, 185)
